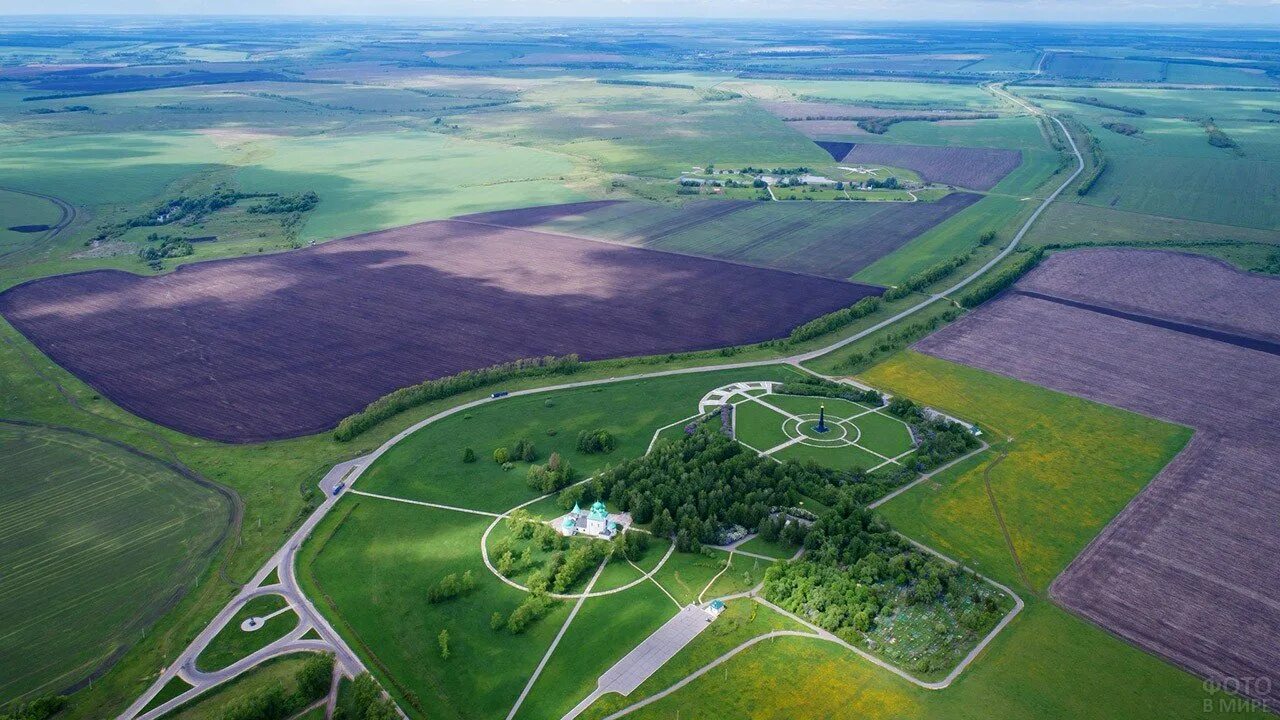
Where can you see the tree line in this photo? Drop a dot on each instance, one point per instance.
(410, 397)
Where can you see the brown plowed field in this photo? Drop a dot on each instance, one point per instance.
(270, 347)
(1189, 569)
(968, 167)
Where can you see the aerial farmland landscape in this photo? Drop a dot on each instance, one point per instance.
(643, 359)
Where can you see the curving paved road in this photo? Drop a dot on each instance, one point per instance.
(350, 472)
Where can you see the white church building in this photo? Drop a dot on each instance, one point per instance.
(595, 522)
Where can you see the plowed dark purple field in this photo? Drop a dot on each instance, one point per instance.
(968, 167)
(1189, 569)
(271, 347)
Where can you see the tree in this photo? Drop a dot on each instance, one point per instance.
(501, 456)
(663, 525)
(315, 676)
(469, 455)
(496, 621)
(506, 563)
(443, 638)
(768, 530)
(526, 557)
(369, 701)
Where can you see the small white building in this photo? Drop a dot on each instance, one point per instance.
(595, 522)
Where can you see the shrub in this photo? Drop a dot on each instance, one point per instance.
(468, 455)
(501, 455)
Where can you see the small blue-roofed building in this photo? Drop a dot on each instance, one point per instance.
(715, 608)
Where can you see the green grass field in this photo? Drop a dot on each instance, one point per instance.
(90, 532)
(369, 567)
(232, 644)
(1046, 664)
(1171, 169)
(1072, 465)
(404, 177)
(428, 465)
(647, 131)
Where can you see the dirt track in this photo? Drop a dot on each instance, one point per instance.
(1189, 569)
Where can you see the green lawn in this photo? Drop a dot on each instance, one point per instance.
(757, 425)
(1072, 465)
(840, 458)
(90, 532)
(774, 549)
(428, 465)
(232, 644)
(369, 567)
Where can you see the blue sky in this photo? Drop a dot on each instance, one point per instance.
(1153, 11)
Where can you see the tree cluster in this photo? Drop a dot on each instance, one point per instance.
(171, 246)
(275, 704)
(697, 485)
(591, 442)
(39, 709)
(818, 387)
(834, 320)
(451, 586)
(368, 701)
(928, 276)
(555, 475)
(299, 203)
(857, 571)
(1122, 128)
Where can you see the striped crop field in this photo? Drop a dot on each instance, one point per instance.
(95, 543)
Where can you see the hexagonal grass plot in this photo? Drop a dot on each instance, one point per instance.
(853, 435)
